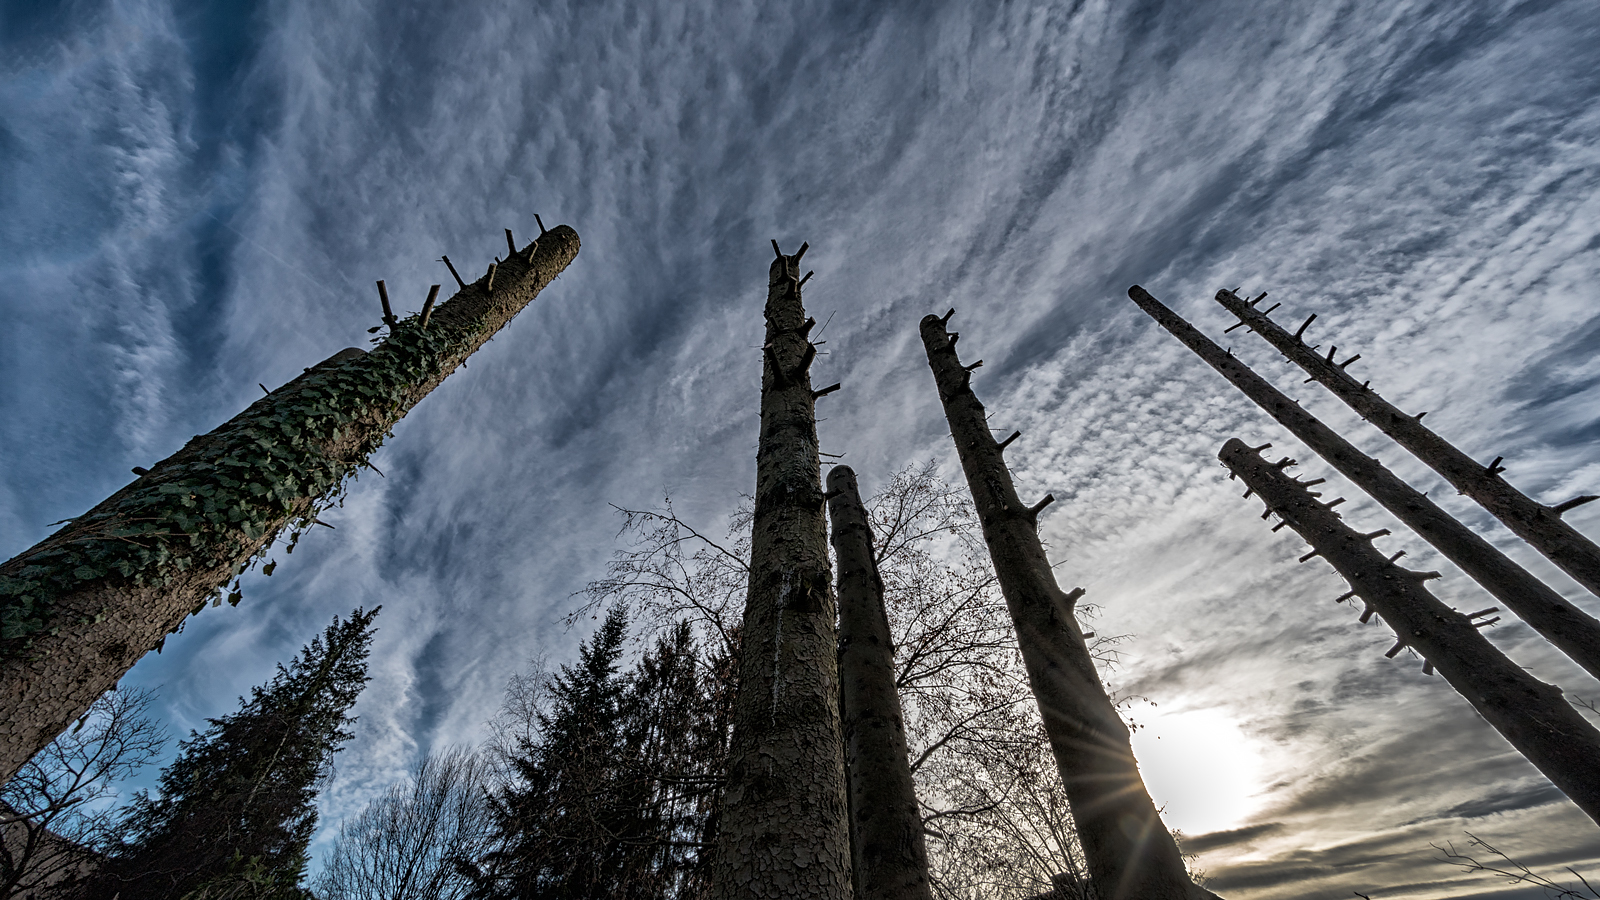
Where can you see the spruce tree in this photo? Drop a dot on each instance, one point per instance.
(563, 823)
(674, 736)
(615, 793)
(235, 811)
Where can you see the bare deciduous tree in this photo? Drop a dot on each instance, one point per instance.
(516, 725)
(405, 844)
(1499, 865)
(673, 572)
(970, 721)
(1009, 831)
(56, 813)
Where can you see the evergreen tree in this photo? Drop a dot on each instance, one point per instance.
(562, 823)
(675, 723)
(615, 794)
(235, 811)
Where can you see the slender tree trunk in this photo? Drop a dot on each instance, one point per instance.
(888, 852)
(1539, 525)
(783, 830)
(1527, 712)
(1573, 631)
(1130, 854)
(84, 604)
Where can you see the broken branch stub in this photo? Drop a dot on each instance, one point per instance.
(82, 606)
(1569, 628)
(1128, 851)
(1528, 713)
(1541, 526)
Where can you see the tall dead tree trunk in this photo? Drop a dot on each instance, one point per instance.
(889, 854)
(1129, 852)
(1527, 712)
(1534, 522)
(1573, 631)
(83, 605)
(784, 831)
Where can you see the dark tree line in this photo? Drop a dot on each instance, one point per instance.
(607, 771)
(605, 775)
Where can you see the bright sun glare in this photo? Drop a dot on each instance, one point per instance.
(1200, 767)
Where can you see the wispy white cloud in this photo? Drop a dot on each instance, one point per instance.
(99, 265)
(1424, 178)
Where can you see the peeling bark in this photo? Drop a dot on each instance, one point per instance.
(783, 828)
(101, 627)
(1528, 713)
(1540, 525)
(888, 852)
(1130, 854)
(1573, 631)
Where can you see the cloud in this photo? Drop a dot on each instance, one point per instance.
(1204, 843)
(1502, 801)
(214, 197)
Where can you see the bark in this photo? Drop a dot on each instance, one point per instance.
(1530, 714)
(97, 627)
(888, 852)
(1573, 631)
(1540, 525)
(1129, 852)
(784, 830)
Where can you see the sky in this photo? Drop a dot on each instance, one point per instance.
(197, 198)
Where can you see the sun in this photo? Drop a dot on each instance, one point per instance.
(1201, 769)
